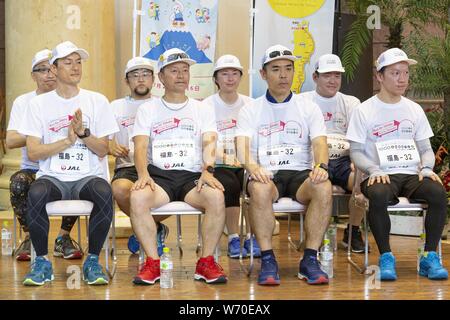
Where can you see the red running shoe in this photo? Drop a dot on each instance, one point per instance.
(210, 271)
(149, 272)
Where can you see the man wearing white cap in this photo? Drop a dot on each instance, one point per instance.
(67, 132)
(227, 102)
(337, 108)
(175, 141)
(139, 77)
(274, 139)
(21, 180)
(390, 143)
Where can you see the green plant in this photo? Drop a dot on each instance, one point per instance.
(395, 14)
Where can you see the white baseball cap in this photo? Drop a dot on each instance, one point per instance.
(392, 56)
(277, 52)
(41, 56)
(329, 63)
(67, 48)
(172, 56)
(138, 63)
(228, 61)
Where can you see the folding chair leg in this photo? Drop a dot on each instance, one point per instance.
(179, 238)
(14, 234)
(360, 269)
(296, 246)
(79, 231)
(199, 235)
(248, 270)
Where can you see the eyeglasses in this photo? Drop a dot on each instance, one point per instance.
(42, 70)
(177, 56)
(137, 75)
(278, 53)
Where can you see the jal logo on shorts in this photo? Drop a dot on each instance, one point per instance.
(272, 163)
(63, 168)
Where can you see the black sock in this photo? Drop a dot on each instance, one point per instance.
(267, 253)
(310, 252)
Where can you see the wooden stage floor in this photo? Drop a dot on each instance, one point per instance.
(346, 285)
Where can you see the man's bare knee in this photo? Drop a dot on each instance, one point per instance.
(260, 193)
(214, 198)
(121, 191)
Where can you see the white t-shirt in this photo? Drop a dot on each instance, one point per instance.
(226, 121)
(336, 112)
(18, 112)
(49, 117)
(281, 133)
(374, 122)
(175, 132)
(125, 112)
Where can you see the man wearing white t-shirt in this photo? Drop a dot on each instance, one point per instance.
(175, 141)
(67, 132)
(139, 77)
(274, 139)
(21, 180)
(390, 143)
(337, 108)
(227, 102)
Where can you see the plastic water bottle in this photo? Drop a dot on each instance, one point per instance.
(166, 266)
(326, 258)
(331, 234)
(6, 240)
(420, 249)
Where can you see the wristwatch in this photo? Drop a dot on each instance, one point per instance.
(86, 133)
(210, 169)
(322, 165)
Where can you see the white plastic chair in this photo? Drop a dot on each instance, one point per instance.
(83, 208)
(179, 209)
(285, 204)
(404, 204)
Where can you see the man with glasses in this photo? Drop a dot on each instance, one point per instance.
(390, 143)
(337, 108)
(139, 78)
(175, 141)
(274, 139)
(21, 180)
(67, 132)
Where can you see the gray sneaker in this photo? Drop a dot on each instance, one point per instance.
(67, 248)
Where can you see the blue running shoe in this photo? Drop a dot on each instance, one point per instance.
(310, 271)
(256, 248)
(234, 248)
(161, 236)
(269, 271)
(41, 272)
(431, 267)
(133, 244)
(387, 267)
(93, 271)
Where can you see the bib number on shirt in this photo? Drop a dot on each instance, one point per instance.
(72, 161)
(338, 146)
(280, 157)
(174, 154)
(226, 146)
(398, 154)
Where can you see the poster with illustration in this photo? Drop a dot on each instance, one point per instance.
(190, 25)
(304, 26)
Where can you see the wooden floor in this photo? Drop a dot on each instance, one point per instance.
(347, 283)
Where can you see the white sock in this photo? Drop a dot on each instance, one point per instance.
(249, 235)
(232, 236)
